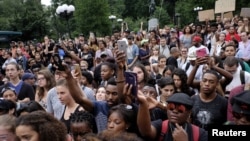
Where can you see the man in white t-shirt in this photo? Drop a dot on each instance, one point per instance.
(197, 45)
(231, 65)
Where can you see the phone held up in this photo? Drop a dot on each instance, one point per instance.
(122, 46)
(201, 52)
(131, 79)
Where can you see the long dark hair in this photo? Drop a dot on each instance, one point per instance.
(183, 77)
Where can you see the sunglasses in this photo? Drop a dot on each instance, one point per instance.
(179, 107)
(240, 115)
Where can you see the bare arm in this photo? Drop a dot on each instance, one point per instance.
(74, 57)
(76, 92)
(143, 119)
(191, 82)
(120, 80)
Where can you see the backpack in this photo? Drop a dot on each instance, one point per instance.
(164, 130)
(242, 77)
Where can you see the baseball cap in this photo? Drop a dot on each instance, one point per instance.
(144, 41)
(241, 102)
(127, 31)
(103, 54)
(192, 56)
(197, 39)
(28, 76)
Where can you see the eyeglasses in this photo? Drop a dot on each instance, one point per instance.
(8, 88)
(180, 107)
(40, 79)
(240, 115)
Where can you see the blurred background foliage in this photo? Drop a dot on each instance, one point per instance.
(36, 20)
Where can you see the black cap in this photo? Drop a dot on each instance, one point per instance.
(181, 98)
(241, 102)
(127, 31)
(81, 35)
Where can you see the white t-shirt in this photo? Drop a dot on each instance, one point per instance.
(236, 80)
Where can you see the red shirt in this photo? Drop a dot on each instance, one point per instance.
(229, 37)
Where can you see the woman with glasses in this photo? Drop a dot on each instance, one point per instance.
(45, 81)
(178, 128)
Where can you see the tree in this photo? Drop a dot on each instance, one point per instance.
(92, 15)
(27, 17)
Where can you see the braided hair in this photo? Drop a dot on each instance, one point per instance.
(83, 116)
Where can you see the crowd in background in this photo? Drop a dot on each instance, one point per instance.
(75, 89)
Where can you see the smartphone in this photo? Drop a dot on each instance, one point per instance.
(201, 52)
(77, 70)
(131, 79)
(122, 46)
(58, 62)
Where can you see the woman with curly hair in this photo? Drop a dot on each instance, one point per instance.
(45, 81)
(180, 82)
(40, 126)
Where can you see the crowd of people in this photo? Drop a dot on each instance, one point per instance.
(76, 89)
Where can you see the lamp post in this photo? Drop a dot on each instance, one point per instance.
(178, 15)
(197, 9)
(119, 20)
(66, 11)
(112, 18)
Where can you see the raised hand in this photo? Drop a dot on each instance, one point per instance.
(179, 134)
(120, 58)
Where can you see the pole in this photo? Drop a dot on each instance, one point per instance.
(68, 27)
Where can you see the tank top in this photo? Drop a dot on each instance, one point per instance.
(67, 122)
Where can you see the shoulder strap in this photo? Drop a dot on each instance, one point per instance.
(242, 64)
(242, 77)
(187, 66)
(164, 130)
(196, 132)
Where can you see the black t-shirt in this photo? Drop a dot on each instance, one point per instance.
(203, 135)
(158, 113)
(209, 113)
(26, 91)
(172, 61)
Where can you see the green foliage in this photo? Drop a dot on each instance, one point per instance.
(27, 17)
(92, 15)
